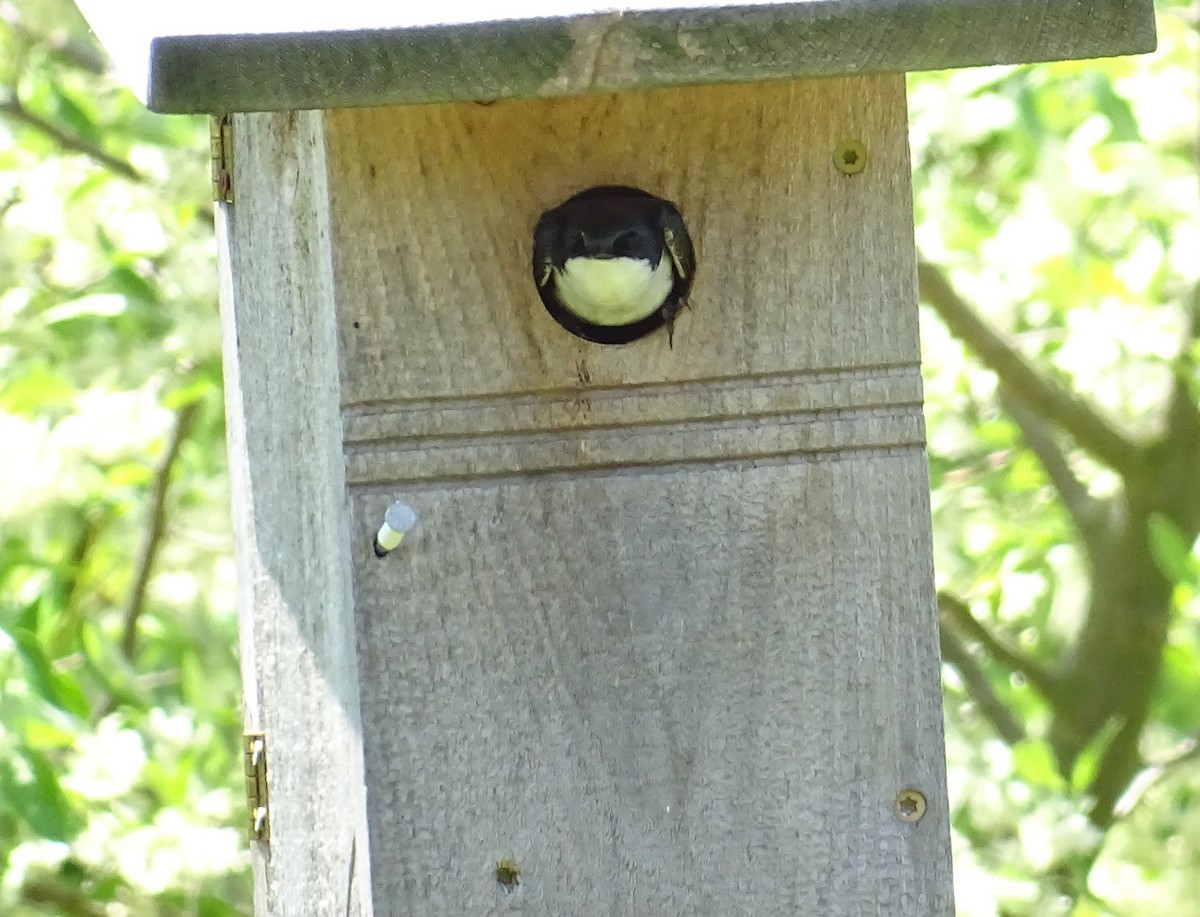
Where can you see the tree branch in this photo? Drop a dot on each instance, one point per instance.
(158, 524)
(80, 54)
(64, 899)
(994, 710)
(1118, 765)
(954, 612)
(1041, 392)
(92, 522)
(1086, 512)
(14, 109)
(1187, 751)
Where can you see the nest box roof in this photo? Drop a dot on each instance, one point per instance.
(264, 55)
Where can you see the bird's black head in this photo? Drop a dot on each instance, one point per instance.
(620, 223)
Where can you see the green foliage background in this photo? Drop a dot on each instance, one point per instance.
(1060, 201)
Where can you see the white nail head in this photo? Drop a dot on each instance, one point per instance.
(398, 521)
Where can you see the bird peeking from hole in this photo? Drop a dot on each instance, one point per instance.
(613, 264)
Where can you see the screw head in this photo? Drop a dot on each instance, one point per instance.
(850, 157)
(508, 874)
(909, 805)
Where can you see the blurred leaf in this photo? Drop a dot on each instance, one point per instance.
(39, 801)
(1089, 759)
(1033, 762)
(1171, 550)
(195, 388)
(130, 283)
(103, 305)
(37, 389)
(113, 674)
(75, 118)
(1179, 687)
(1123, 123)
(59, 689)
(130, 474)
(89, 185)
(107, 887)
(209, 906)
(47, 735)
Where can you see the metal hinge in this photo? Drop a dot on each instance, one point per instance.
(254, 759)
(220, 140)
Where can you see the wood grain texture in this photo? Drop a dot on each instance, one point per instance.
(290, 520)
(675, 694)
(666, 634)
(227, 55)
(596, 429)
(441, 303)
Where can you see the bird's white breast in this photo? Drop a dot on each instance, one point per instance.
(613, 291)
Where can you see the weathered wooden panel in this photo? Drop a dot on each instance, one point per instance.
(666, 633)
(290, 520)
(801, 268)
(230, 55)
(688, 693)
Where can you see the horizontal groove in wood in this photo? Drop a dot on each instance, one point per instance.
(431, 459)
(573, 410)
(387, 489)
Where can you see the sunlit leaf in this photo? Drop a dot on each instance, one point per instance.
(210, 906)
(47, 735)
(1179, 686)
(36, 797)
(1124, 125)
(1088, 762)
(1034, 763)
(130, 474)
(89, 185)
(75, 115)
(130, 283)
(58, 688)
(103, 305)
(1171, 550)
(37, 389)
(192, 390)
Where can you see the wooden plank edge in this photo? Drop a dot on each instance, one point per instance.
(609, 52)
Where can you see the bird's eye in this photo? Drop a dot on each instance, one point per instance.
(576, 244)
(627, 243)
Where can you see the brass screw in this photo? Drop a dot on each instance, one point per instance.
(850, 157)
(508, 873)
(909, 805)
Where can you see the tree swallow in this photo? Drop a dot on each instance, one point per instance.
(613, 264)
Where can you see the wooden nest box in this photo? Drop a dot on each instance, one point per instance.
(663, 641)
